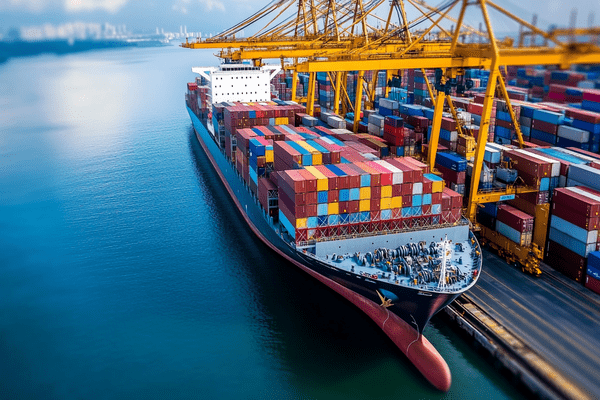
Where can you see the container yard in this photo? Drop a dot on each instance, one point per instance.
(370, 135)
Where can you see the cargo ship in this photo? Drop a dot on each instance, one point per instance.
(381, 231)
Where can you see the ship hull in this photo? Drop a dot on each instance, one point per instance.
(403, 322)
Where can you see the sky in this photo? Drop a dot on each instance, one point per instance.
(217, 15)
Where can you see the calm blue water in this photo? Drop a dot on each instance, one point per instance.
(125, 271)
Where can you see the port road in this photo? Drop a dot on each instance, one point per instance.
(558, 318)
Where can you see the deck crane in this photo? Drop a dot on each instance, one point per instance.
(346, 41)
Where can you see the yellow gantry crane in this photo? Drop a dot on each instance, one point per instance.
(340, 36)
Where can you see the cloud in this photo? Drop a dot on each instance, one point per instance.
(183, 6)
(29, 5)
(112, 6)
(212, 4)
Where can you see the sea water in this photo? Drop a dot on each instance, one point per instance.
(126, 271)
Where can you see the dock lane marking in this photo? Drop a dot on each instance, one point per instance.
(567, 339)
(536, 362)
(520, 295)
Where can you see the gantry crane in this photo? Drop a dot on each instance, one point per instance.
(346, 40)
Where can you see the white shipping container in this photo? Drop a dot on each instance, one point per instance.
(325, 115)
(309, 121)
(377, 120)
(335, 122)
(388, 103)
(525, 121)
(417, 188)
(574, 134)
(397, 174)
(341, 131)
(588, 176)
(375, 130)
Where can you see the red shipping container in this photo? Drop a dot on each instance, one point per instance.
(505, 124)
(529, 165)
(296, 180)
(392, 139)
(583, 115)
(353, 176)
(522, 205)
(452, 176)
(570, 257)
(593, 284)
(515, 218)
(566, 267)
(580, 220)
(375, 204)
(407, 189)
(591, 95)
(578, 202)
(311, 210)
(436, 198)
(311, 198)
(397, 189)
(448, 124)
(544, 126)
(286, 152)
(344, 207)
(475, 108)
(296, 198)
(265, 186)
(286, 203)
(343, 180)
(333, 196)
(353, 206)
(456, 198)
(407, 200)
(421, 167)
(446, 202)
(376, 192)
(427, 186)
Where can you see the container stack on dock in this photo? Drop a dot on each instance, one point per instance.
(573, 230)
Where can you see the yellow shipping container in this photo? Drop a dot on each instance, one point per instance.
(365, 194)
(317, 157)
(364, 205)
(386, 203)
(437, 187)
(333, 208)
(386, 191)
(282, 121)
(322, 180)
(397, 202)
(300, 223)
(269, 156)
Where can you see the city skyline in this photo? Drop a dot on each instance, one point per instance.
(217, 15)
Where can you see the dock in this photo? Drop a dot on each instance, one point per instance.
(542, 332)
